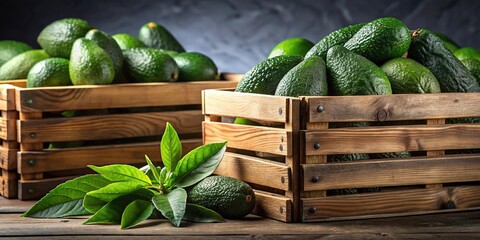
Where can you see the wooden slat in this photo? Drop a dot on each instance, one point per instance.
(35, 189)
(7, 97)
(273, 206)
(401, 202)
(393, 139)
(246, 105)
(8, 158)
(8, 184)
(252, 138)
(108, 126)
(30, 147)
(393, 107)
(255, 170)
(114, 96)
(392, 172)
(76, 158)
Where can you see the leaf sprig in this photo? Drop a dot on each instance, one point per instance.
(125, 195)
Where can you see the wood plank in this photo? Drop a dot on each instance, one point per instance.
(7, 97)
(114, 96)
(405, 201)
(392, 139)
(9, 127)
(8, 158)
(393, 107)
(273, 206)
(30, 147)
(76, 158)
(35, 189)
(108, 126)
(8, 184)
(246, 105)
(247, 168)
(312, 159)
(392, 172)
(14, 205)
(252, 138)
(293, 125)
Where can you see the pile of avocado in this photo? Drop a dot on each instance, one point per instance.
(75, 53)
(375, 58)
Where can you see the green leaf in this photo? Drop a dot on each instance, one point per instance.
(93, 204)
(153, 170)
(122, 173)
(198, 164)
(197, 213)
(172, 205)
(111, 213)
(163, 174)
(66, 199)
(114, 190)
(136, 212)
(170, 148)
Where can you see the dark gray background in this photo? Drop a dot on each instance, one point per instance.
(238, 34)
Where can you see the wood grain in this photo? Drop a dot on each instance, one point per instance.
(273, 206)
(393, 139)
(8, 158)
(8, 184)
(402, 202)
(8, 125)
(7, 97)
(76, 158)
(35, 189)
(392, 172)
(252, 138)
(108, 126)
(246, 105)
(393, 107)
(255, 170)
(114, 96)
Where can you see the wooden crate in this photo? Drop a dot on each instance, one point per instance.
(297, 183)
(119, 124)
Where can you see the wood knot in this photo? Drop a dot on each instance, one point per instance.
(449, 205)
(382, 115)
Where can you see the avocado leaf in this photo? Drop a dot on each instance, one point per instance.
(136, 212)
(172, 205)
(197, 164)
(66, 199)
(170, 148)
(197, 213)
(122, 173)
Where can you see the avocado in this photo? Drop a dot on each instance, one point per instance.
(380, 40)
(230, 197)
(352, 74)
(403, 154)
(10, 49)
(18, 66)
(473, 65)
(408, 76)
(245, 121)
(49, 72)
(264, 77)
(90, 64)
(57, 38)
(467, 52)
(338, 37)
(157, 36)
(428, 50)
(308, 78)
(150, 65)
(449, 43)
(127, 41)
(195, 66)
(292, 46)
(108, 44)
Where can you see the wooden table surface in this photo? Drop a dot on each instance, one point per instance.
(460, 225)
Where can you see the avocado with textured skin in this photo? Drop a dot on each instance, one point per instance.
(157, 36)
(49, 72)
(380, 40)
(195, 66)
(352, 74)
(150, 65)
(90, 64)
(109, 44)
(308, 78)
(58, 37)
(19, 66)
(428, 50)
(127, 41)
(264, 77)
(338, 37)
(230, 197)
(10, 49)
